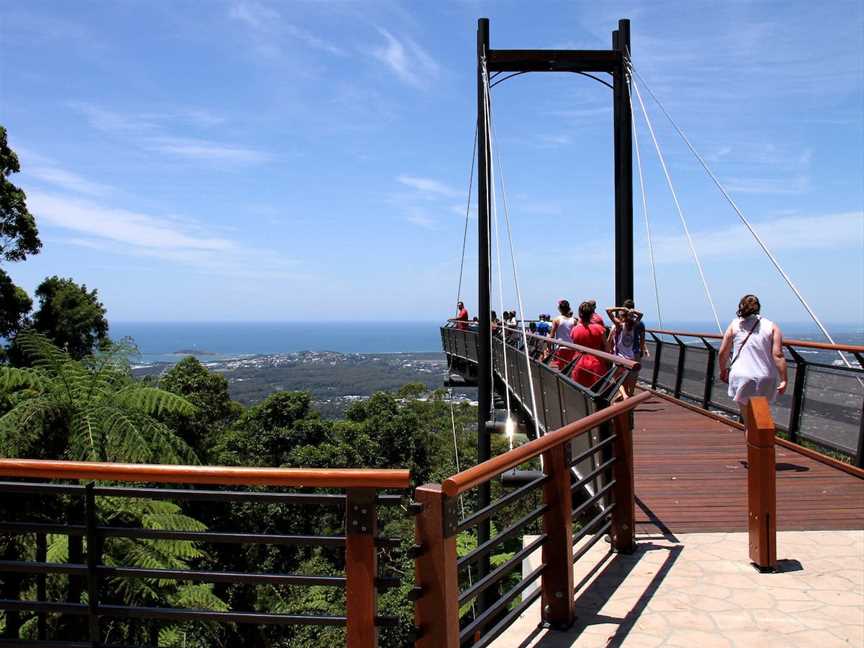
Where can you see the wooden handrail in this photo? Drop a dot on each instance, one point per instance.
(221, 475)
(825, 346)
(614, 359)
(485, 471)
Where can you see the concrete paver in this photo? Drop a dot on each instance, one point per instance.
(699, 590)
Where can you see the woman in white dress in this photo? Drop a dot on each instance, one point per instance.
(751, 355)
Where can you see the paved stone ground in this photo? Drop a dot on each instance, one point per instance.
(699, 591)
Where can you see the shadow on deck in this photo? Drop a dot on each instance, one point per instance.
(691, 476)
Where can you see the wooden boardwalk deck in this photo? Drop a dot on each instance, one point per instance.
(691, 476)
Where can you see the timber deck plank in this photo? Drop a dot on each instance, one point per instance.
(691, 476)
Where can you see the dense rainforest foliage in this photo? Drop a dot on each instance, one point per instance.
(57, 406)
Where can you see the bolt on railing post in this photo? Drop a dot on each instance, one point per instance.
(559, 606)
(361, 568)
(94, 552)
(761, 484)
(436, 613)
(624, 514)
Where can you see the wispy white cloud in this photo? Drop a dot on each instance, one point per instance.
(786, 233)
(149, 131)
(198, 149)
(407, 60)
(128, 232)
(271, 33)
(429, 186)
(46, 170)
(67, 180)
(421, 219)
(776, 186)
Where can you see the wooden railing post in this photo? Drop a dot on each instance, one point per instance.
(624, 514)
(559, 605)
(436, 612)
(761, 484)
(361, 568)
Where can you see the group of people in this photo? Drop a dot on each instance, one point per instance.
(751, 355)
(625, 338)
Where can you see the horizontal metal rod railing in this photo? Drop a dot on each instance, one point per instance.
(789, 342)
(823, 404)
(485, 471)
(88, 573)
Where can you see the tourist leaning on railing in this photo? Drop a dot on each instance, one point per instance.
(627, 338)
(588, 333)
(561, 327)
(461, 316)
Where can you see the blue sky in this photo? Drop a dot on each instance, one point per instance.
(252, 160)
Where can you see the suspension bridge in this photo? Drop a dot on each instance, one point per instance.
(612, 521)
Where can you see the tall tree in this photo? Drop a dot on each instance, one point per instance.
(70, 316)
(18, 233)
(15, 304)
(18, 238)
(208, 392)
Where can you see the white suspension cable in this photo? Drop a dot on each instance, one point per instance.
(516, 283)
(645, 212)
(509, 426)
(467, 214)
(678, 207)
(743, 219)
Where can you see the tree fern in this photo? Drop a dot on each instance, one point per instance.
(104, 413)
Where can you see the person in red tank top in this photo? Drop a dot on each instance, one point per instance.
(588, 333)
(462, 316)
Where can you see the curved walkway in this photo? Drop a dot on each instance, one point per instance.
(691, 476)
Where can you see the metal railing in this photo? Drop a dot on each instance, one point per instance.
(823, 403)
(444, 617)
(90, 586)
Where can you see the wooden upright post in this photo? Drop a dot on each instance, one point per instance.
(624, 514)
(361, 568)
(761, 484)
(559, 605)
(436, 613)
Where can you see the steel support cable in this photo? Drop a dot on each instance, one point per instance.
(508, 426)
(678, 208)
(515, 268)
(743, 219)
(645, 212)
(467, 214)
(458, 299)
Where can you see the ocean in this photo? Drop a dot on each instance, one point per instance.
(171, 341)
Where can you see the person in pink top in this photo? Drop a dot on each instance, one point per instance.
(588, 333)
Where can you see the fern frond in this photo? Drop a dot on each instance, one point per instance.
(21, 426)
(13, 378)
(57, 549)
(199, 596)
(153, 401)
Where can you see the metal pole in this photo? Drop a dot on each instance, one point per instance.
(484, 367)
(623, 145)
